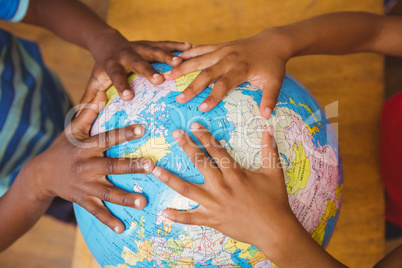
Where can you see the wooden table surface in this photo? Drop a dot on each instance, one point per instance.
(349, 87)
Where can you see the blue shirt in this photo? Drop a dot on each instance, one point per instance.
(32, 101)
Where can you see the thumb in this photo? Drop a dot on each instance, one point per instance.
(190, 217)
(270, 92)
(84, 120)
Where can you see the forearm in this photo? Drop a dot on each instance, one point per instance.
(292, 246)
(344, 33)
(20, 207)
(70, 20)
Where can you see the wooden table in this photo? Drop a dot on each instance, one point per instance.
(351, 84)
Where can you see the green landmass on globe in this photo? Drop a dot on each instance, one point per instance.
(308, 150)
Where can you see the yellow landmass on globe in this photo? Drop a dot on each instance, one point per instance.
(246, 251)
(338, 190)
(144, 252)
(307, 108)
(299, 172)
(313, 129)
(319, 232)
(154, 148)
(184, 81)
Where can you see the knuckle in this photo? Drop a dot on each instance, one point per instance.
(232, 55)
(191, 88)
(207, 73)
(116, 74)
(96, 212)
(199, 159)
(137, 60)
(244, 66)
(187, 220)
(105, 195)
(109, 166)
(222, 84)
(156, 51)
(110, 62)
(149, 70)
(126, 52)
(77, 167)
(184, 190)
(125, 201)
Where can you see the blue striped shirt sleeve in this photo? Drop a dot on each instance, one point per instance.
(13, 10)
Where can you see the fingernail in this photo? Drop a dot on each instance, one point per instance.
(157, 172)
(203, 107)
(138, 131)
(187, 43)
(117, 229)
(156, 75)
(175, 58)
(195, 126)
(271, 130)
(180, 97)
(268, 112)
(137, 202)
(126, 92)
(168, 72)
(176, 133)
(147, 167)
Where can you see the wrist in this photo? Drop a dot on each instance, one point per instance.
(280, 39)
(96, 42)
(34, 174)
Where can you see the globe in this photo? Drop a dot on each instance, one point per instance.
(308, 150)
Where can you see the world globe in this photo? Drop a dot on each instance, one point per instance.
(308, 151)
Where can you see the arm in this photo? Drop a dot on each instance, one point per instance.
(114, 55)
(74, 168)
(261, 59)
(257, 200)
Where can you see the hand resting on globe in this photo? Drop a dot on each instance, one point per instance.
(248, 206)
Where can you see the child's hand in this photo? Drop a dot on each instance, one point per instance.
(115, 57)
(248, 206)
(252, 207)
(260, 60)
(74, 167)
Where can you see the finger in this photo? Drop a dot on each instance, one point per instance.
(200, 50)
(190, 190)
(97, 82)
(269, 150)
(200, 83)
(118, 76)
(170, 45)
(139, 65)
(222, 86)
(83, 122)
(115, 195)
(190, 217)
(221, 157)
(114, 137)
(194, 64)
(103, 214)
(106, 166)
(270, 92)
(157, 54)
(196, 155)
